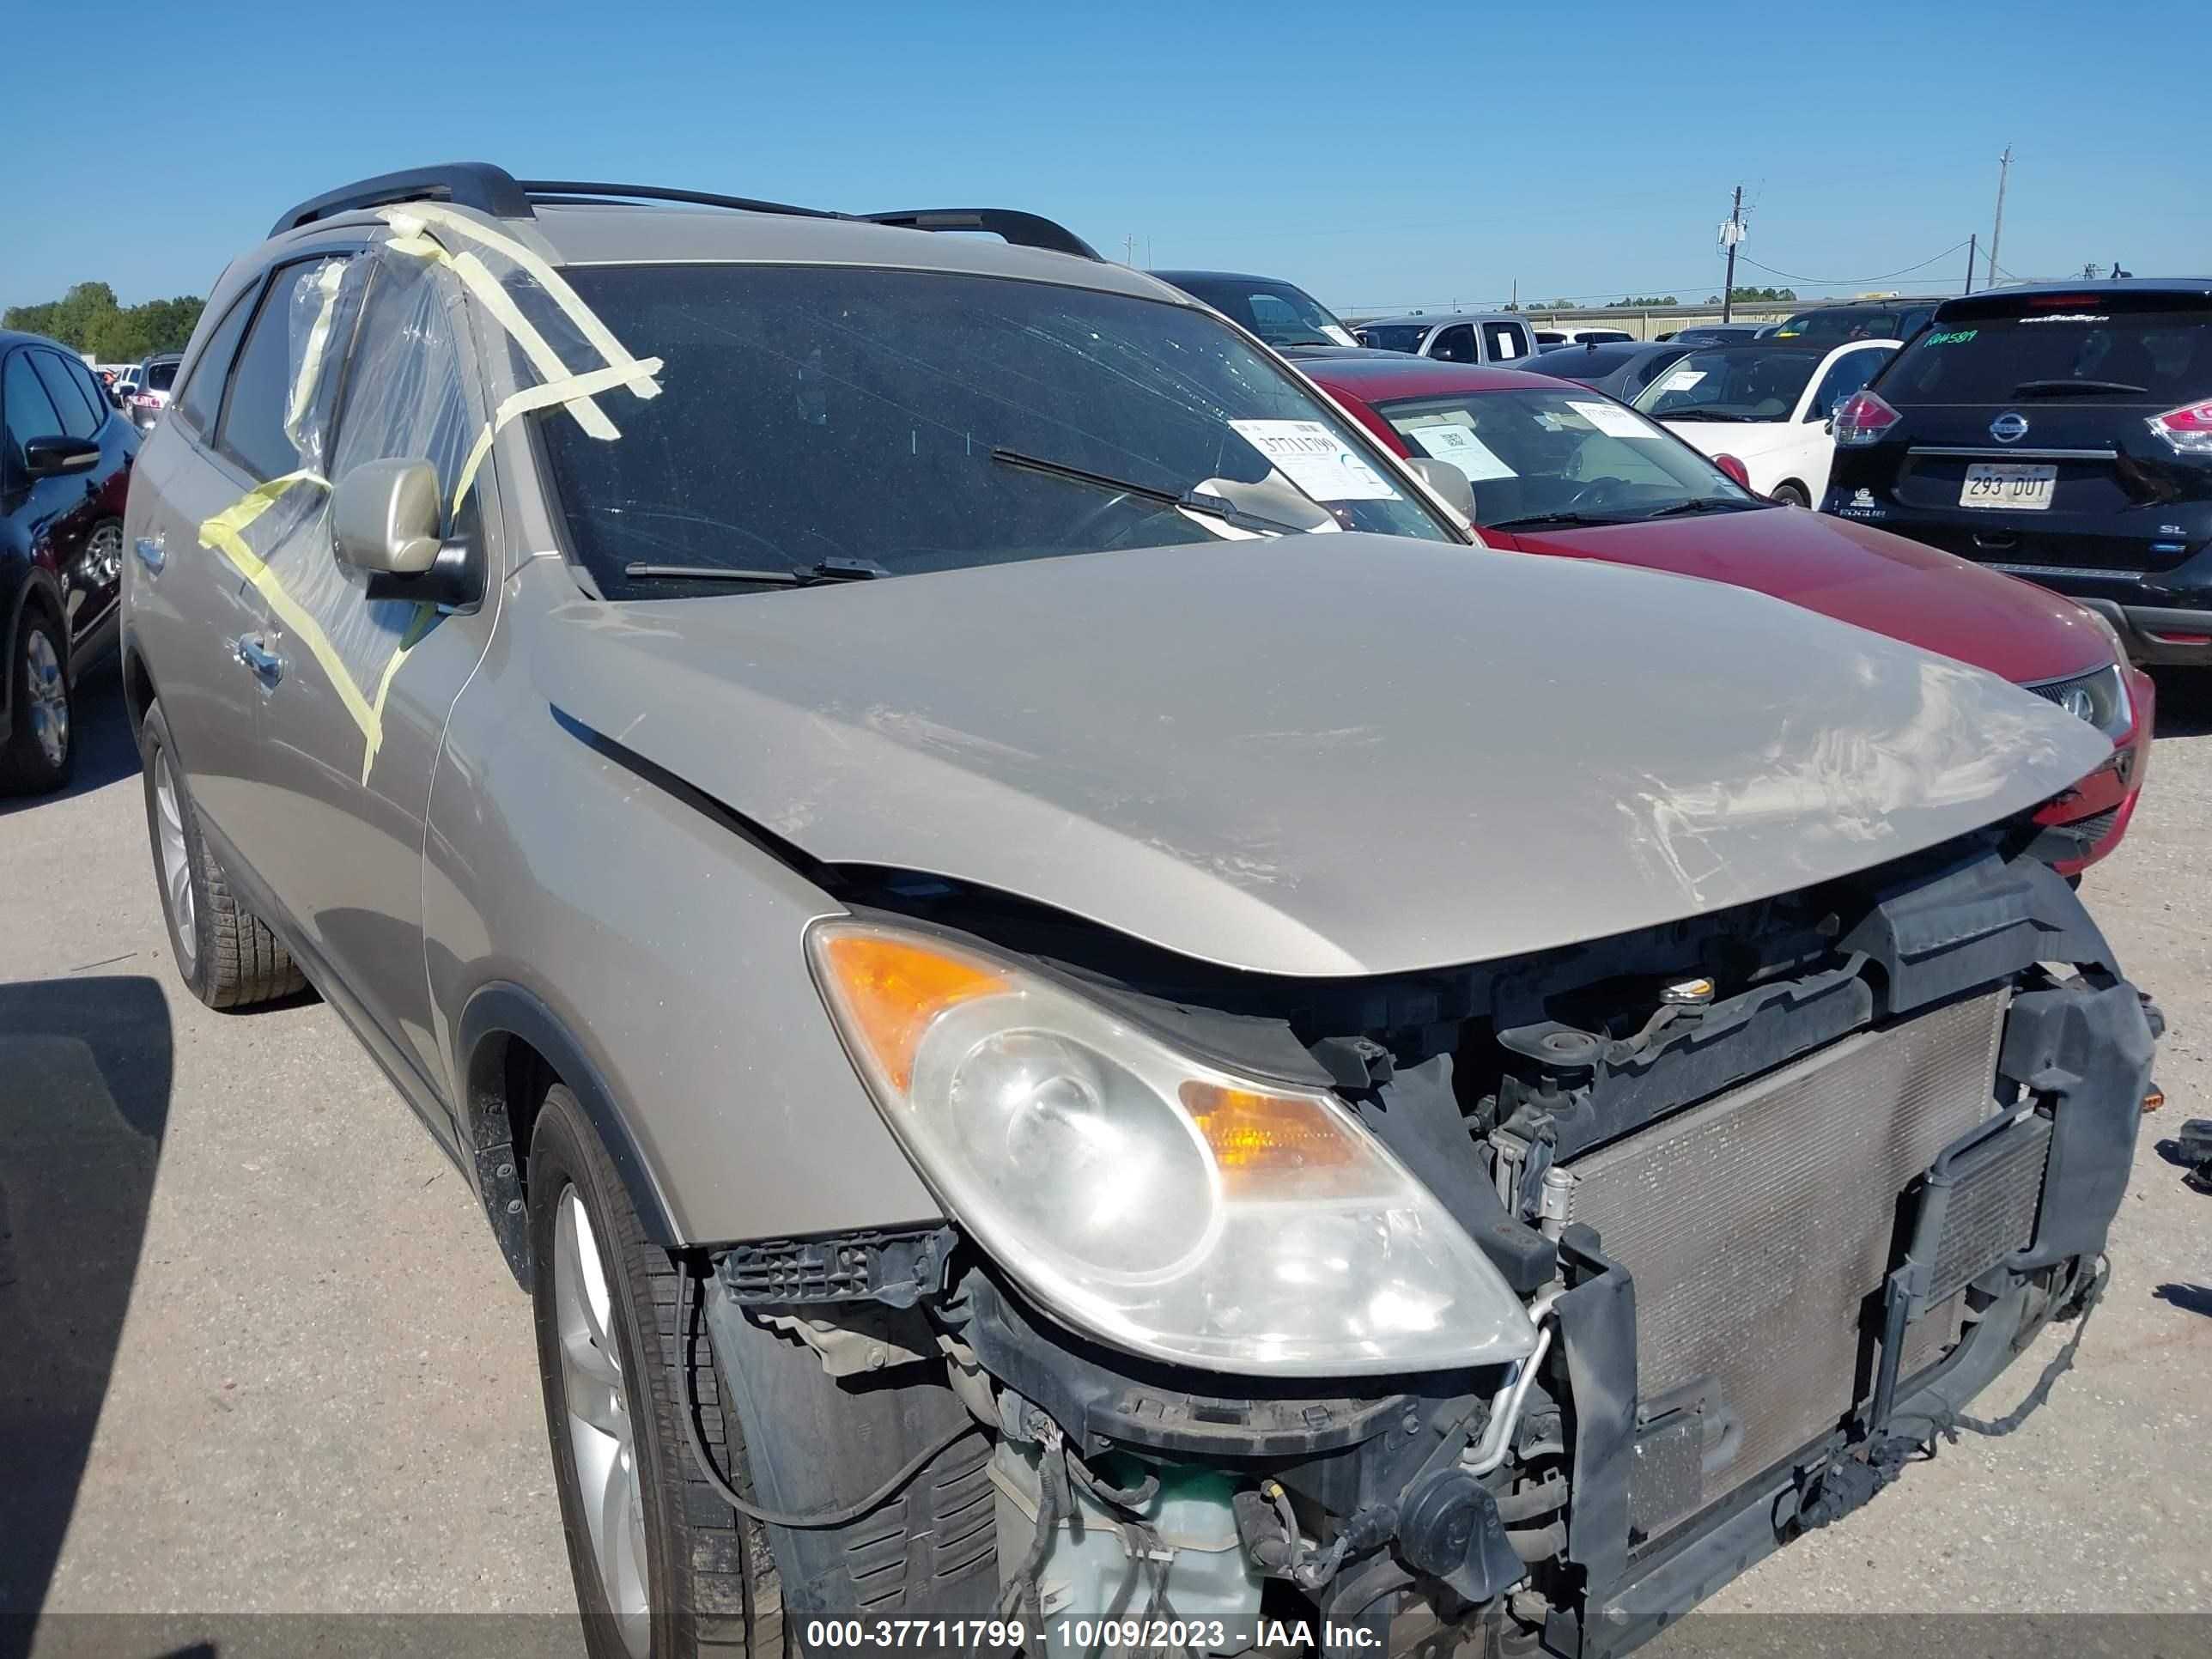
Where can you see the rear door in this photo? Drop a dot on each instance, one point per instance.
(2030, 433)
(193, 609)
(1504, 340)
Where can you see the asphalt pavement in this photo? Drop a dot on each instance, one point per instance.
(267, 1358)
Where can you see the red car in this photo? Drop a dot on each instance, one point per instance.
(1557, 468)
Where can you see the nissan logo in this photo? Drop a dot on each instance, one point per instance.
(2009, 428)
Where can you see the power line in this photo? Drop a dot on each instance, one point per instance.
(1846, 281)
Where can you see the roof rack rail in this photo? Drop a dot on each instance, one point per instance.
(464, 184)
(1021, 229)
(564, 189)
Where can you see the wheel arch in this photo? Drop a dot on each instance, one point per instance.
(512, 1048)
(38, 587)
(139, 691)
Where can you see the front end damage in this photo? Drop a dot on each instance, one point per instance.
(1780, 1188)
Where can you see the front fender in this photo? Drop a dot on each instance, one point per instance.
(660, 952)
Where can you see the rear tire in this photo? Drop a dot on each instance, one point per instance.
(40, 752)
(1790, 495)
(708, 1575)
(225, 954)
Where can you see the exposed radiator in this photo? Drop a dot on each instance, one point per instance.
(1758, 1224)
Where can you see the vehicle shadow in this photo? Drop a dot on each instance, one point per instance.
(86, 1066)
(105, 748)
(2184, 701)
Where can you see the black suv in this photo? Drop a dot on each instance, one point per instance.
(2062, 434)
(1886, 319)
(65, 459)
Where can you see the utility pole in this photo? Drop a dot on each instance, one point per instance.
(1129, 251)
(2004, 170)
(1731, 233)
(1973, 242)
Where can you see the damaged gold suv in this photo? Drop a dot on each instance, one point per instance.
(1070, 1000)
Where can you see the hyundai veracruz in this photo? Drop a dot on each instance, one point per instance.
(1068, 1002)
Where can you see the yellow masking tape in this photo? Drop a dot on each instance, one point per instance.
(540, 397)
(327, 283)
(223, 531)
(640, 379)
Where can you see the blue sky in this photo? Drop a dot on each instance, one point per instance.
(1577, 150)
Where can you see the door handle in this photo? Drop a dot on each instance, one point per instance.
(151, 553)
(250, 653)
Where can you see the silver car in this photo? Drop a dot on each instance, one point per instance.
(1067, 1000)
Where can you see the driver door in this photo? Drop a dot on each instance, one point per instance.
(354, 732)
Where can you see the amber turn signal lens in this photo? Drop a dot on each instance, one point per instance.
(2153, 1100)
(893, 988)
(1271, 1146)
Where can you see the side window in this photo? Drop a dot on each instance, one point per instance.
(30, 412)
(1455, 344)
(1848, 373)
(202, 394)
(91, 388)
(252, 430)
(79, 419)
(406, 396)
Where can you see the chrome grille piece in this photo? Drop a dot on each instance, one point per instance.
(1756, 1225)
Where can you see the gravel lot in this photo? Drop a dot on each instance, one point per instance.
(275, 1363)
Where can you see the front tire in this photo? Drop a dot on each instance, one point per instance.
(663, 1567)
(40, 752)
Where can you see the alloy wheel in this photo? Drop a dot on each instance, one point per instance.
(176, 867)
(49, 709)
(602, 1440)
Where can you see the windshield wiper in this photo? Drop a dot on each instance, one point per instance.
(1714, 505)
(1562, 520)
(2045, 388)
(1211, 506)
(1702, 415)
(812, 575)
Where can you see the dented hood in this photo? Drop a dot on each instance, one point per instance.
(1321, 755)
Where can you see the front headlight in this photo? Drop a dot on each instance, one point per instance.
(1172, 1208)
(2100, 698)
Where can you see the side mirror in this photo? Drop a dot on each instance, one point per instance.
(1447, 481)
(1735, 468)
(388, 519)
(45, 458)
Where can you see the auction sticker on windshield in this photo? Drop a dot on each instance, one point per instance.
(1449, 442)
(1316, 460)
(1611, 419)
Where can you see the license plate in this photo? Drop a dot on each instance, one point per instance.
(2023, 489)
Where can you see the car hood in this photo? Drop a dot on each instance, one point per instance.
(1857, 573)
(1322, 755)
(1743, 439)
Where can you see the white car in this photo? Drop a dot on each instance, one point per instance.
(1558, 334)
(1768, 405)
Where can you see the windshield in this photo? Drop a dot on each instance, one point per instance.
(1546, 456)
(2092, 354)
(812, 415)
(1740, 383)
(1394, 336)
(1278, 313)
(1836, 326)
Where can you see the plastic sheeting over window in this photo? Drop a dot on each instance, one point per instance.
(377, 369)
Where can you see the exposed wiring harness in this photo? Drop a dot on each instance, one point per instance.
(814, 1520)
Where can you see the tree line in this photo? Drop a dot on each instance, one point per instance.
(88, 320)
